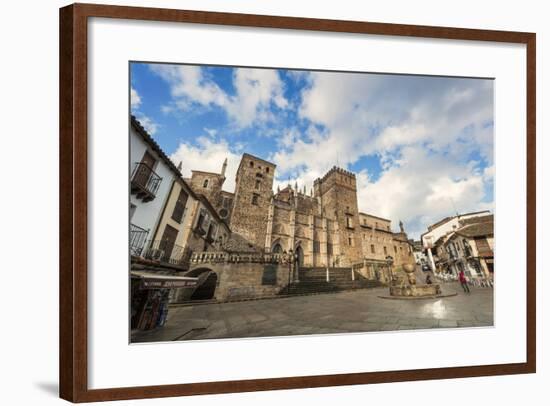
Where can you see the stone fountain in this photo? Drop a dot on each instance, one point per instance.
(405, 287)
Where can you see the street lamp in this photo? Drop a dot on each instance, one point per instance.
(389, 261)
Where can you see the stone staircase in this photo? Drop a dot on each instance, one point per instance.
(314, 280)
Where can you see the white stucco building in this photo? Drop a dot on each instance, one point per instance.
(151, 178)
(443, 228)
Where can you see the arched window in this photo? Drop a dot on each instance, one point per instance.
(205, 183)
(277, 249)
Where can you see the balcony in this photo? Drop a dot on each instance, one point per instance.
(138, 236)
(167, 252)
(145, 182)
(453, 256)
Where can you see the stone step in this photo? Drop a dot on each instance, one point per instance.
(304, 287)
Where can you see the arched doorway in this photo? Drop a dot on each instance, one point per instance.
(300, 255)
(207, 283)
(277, 249)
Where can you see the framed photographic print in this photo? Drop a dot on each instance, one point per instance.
(256, 202)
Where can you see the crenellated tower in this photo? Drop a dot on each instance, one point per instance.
(336, 193)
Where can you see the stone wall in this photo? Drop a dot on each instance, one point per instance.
(243, 276)
(209, 185)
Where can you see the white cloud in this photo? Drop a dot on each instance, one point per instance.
(256, 91)
(210, 131)
(423, 189)
(433, 136)
(424, 129)
(149, 124)
(208, 156)
(135, 99)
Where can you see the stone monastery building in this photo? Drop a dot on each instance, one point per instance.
(323, 228)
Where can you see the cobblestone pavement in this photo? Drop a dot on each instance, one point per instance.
(351, 311)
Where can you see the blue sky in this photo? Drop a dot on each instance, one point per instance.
(420, 146)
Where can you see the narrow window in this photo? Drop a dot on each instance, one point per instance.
(205, 183)
(385, 251)
(133, 210)
(179, 207)
(258, 183)
(255, 199)
(372, 248)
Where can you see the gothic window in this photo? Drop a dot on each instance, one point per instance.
(316, 246)
(205, 183)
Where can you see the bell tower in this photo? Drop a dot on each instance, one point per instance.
(253, 192)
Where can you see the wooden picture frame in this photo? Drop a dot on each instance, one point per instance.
(74, 197)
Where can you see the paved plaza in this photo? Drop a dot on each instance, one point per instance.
(351, 311)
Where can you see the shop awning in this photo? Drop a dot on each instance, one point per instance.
(151, 280)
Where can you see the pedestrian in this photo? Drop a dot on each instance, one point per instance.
(428, 280)
(463, 281)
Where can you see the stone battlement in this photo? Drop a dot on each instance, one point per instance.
(333, 170)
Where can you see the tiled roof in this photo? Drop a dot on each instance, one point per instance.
(237, 243)
(480, 219)
(477, 229)
(154, 146)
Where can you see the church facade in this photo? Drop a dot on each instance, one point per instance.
(323, 228)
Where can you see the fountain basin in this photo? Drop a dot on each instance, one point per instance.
(415, 290)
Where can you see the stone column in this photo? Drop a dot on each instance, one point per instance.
(311, 221)
(431, 259)
(323, 242)
(292, 231)
(269, 230)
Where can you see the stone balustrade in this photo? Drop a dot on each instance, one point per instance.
(226, 257)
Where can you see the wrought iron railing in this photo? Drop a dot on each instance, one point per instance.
(145, 181)
(138, 236)
(165, 251)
